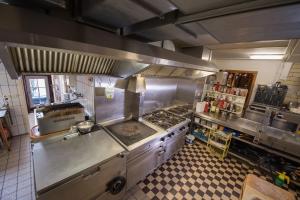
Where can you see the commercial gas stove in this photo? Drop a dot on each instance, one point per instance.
(150, 141)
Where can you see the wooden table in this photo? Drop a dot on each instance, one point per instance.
(5, 133)
(36, 137)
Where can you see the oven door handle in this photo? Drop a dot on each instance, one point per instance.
(95, 173)
(161, 152)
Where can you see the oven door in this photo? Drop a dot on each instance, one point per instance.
(174, 144)
(142, 165)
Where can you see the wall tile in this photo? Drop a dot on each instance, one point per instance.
(13, 89)
(3, 79)
(5, 90)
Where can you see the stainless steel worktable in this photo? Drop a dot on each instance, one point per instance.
(237, 123)
(56, 162)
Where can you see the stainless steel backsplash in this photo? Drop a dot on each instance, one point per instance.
(160, 92)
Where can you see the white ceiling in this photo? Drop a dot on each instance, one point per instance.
(270, 24)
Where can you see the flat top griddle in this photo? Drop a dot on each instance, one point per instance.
(130, 132)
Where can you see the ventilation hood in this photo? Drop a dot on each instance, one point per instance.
(171, 72)
(32, 42)
(28, 60)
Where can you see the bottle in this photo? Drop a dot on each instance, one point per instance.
(237, 78)
(206, 107)
(218, 87)
(229, 80)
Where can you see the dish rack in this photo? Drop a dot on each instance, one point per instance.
(218, 143)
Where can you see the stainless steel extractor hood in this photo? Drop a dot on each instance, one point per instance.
(29, 42)
(173, 72)
(32, 59)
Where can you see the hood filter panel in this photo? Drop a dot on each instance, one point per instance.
(32, 60)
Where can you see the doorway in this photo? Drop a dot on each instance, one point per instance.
(37, 90)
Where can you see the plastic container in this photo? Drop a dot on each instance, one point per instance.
(189, 139)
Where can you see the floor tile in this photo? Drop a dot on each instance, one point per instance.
(195, 174)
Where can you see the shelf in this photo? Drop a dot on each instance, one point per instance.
(205, 141)
(216, 144)
(246, 141)
(205, 126)
(268, 150)
(241, 158)
(222, 93)
(230, 111)
(245, 130)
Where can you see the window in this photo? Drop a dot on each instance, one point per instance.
(37, 90)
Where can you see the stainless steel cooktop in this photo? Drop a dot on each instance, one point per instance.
(163, 119)
(131, 131)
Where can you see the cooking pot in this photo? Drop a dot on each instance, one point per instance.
(85, 126)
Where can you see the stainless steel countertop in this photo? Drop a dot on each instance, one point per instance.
(56, 162)
(240, 124)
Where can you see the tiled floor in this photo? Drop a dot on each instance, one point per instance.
(192, 174)
(16, 171)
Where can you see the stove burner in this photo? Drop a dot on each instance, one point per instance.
(163, 119)
(181, 110)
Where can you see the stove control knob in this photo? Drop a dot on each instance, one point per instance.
(172, 133)
(162, 139)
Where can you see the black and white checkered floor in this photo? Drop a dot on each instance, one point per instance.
(195, 174)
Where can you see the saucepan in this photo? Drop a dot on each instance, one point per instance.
(85, 126)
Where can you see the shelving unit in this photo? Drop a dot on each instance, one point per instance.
(237, 100)
(219, 140)
(246, 141)
(226, 94)
(205, 126)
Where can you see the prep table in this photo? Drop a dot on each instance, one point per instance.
(82, 161)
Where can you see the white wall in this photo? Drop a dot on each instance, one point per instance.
(85, 85)
(268, 70)
(14, 90)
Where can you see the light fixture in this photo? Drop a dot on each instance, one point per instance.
(266, 56)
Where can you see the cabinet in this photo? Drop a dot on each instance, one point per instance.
(141, 166)
(148, 157)
(90, 184)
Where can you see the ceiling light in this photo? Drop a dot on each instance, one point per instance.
(266, 56)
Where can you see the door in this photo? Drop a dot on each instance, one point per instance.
(140, 167)
(90, 184)
(37, 91)
(173, 145)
